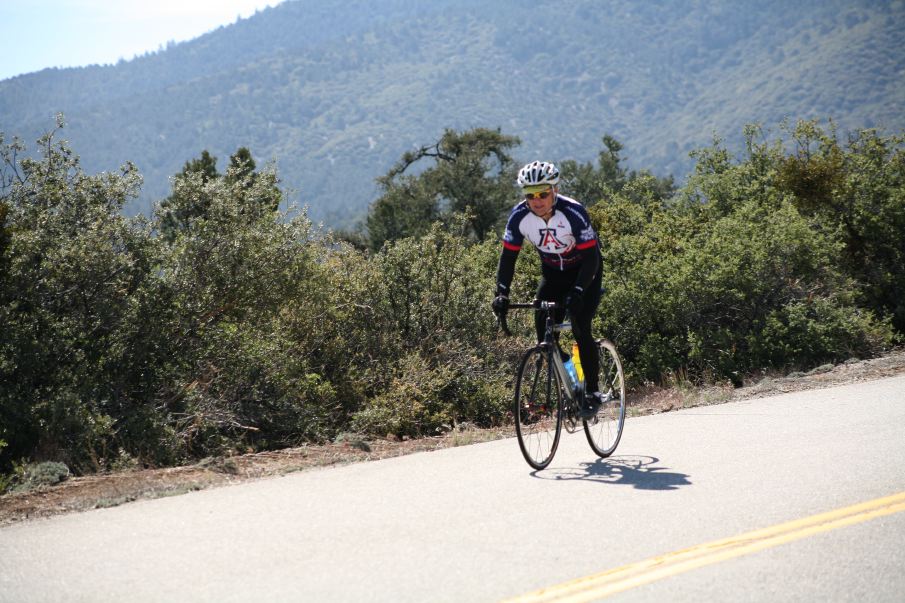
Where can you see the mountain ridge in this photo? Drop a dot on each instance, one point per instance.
(332, 93)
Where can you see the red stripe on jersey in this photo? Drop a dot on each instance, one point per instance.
(586, 244)
(511, 247)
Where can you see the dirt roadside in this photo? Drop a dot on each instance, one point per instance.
(91, 492)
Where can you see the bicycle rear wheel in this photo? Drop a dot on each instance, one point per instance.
(605, 429)
(538, 408)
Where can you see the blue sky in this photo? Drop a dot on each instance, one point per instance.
(35, 34)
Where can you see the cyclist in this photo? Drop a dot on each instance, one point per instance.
(571, 268)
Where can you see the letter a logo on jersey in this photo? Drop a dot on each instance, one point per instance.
(548, 239)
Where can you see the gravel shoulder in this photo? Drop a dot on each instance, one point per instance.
(98, 491)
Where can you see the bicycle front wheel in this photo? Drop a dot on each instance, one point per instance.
(538, 408)
(605, 429)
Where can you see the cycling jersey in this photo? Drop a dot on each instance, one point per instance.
(559, 240)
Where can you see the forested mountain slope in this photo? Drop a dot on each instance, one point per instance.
(335, 91)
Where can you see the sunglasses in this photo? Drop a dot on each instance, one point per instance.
(540, 195)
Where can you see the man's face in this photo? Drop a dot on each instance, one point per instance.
(540, 199)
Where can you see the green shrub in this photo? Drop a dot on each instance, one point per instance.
(74, 270)
(440, 359)
(37, 475)
(413, 403)
(804, 334)
(728, 278)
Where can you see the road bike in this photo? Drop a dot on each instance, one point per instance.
(546, 398)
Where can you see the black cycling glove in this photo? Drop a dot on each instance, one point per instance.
(575, 300)
(500, 303)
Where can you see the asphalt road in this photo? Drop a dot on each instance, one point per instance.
(476, 524)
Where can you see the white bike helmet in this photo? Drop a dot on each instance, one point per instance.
(538, 172)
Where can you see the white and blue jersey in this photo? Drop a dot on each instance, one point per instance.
(559, 240)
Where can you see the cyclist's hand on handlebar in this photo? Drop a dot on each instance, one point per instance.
(500, 305)
(575, 300)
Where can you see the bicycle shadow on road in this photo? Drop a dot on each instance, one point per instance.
(640, 472)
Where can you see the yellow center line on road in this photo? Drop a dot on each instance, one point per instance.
(604, 584)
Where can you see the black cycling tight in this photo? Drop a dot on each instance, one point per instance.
(555, 286)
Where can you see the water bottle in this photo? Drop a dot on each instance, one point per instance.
(573, 375)
(577, 361)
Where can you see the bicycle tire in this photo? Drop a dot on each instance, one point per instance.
(605, 430)
(537, 408)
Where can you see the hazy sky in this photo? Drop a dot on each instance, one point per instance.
(35, 34)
